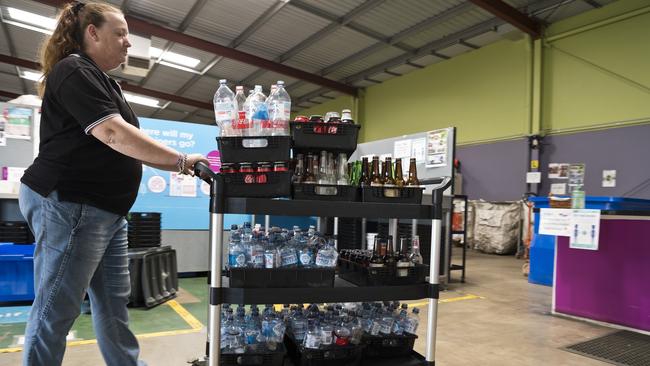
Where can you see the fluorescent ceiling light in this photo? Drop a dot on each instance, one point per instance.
(173, 57)
(31, 75)
(149, 102)
(193, 71)
(31, 20)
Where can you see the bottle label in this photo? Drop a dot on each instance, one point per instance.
(242, 122)
(326, 337)
(258, 259)
(269, 260)
(224, 112)
(289, 259)
(240, 260)
(341, 341)
(312, 341)
(305, 259)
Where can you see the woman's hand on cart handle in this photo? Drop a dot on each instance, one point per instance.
(190, 161)
(202, 169)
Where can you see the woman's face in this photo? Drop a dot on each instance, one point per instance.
(112, 41)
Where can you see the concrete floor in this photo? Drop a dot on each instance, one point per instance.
(495, 318)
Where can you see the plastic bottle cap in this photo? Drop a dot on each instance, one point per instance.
(222, 81)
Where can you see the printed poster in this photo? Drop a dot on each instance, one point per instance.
(585, 229)
(609, 178)
(436, 148)
(419, 149)
(558, 189)
(18, 122)
(181, 185)
(402, 149)
(576, 175)
(558, 171)
(555, 221)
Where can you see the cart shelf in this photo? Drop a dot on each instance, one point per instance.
(343, 291)
(283, 207)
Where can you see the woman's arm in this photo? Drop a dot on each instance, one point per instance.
(127, 139)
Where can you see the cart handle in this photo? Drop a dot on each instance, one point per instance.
(445, 182)
(203, 170)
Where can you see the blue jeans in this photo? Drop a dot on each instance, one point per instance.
(79, 248)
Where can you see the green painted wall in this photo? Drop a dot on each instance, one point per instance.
(600, 76)
(594, 75)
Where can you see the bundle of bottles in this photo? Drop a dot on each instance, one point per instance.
(279, 248)
(252, 115)
(390, 175)
(383, 256)
(314, 327)
(326, 170)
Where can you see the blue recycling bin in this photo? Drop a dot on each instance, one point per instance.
(542, 247)
(16, 272)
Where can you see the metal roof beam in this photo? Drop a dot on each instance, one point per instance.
(139, 25)
(257, 24)
(511, 15)
(125, 86)
(593, 3)
(355, 27)
(331, 28)
(438, 18)
(196, 9)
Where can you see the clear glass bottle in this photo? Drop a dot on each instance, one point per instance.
(403, 262)
(415, 257)
(342, 177)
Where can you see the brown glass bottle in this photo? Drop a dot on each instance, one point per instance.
(403, 261)
(413, 174)
(376, 180)
(389, 256)
(364, 181)
(299, 171)
(399, 176)
(310, 175)
(388, 173)
(376, 260)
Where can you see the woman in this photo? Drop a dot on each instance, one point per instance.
(83, 182)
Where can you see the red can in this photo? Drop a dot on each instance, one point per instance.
(246, 168)
(227, 168)
(249, 178)
(280, 166)
(263, 167)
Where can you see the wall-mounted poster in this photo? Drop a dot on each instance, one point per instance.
(436, 148)
(558, 171)
(18, 122)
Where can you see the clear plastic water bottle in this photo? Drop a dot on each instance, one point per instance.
(236, 251)
(257, 254)
(342, 333)
(242, 124)
(288, 255)
(398, 325)
(258, 113)
(312, 338)
(412, 322)
(248, 129)
(299, 327)
(279, 106)
(327, 256)
(225, 108)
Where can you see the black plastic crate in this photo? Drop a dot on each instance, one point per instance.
(392, 194)
(387, 346)
(380, 276)
(154, 276)
(254, 148)
(316, 136)
(334, 355)
(281, 277)
(325, 192)
(143, 216)
(267, 358)
(263, 185)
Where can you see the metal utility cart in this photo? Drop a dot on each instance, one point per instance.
(342, 291)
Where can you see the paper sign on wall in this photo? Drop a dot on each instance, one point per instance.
(418, 149)
(609, 178)
(585, 229)
(436, 148)
(558, 188)
(555, 221)
(558, 171)
(402, 149)
(533, 177)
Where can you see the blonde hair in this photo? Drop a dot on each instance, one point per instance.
(68, 34)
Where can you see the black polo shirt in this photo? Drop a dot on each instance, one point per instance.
(79, 96)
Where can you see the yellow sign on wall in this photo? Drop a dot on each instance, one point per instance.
(534, 164)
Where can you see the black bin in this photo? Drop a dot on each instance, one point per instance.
(154, 276)
(254, 148)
